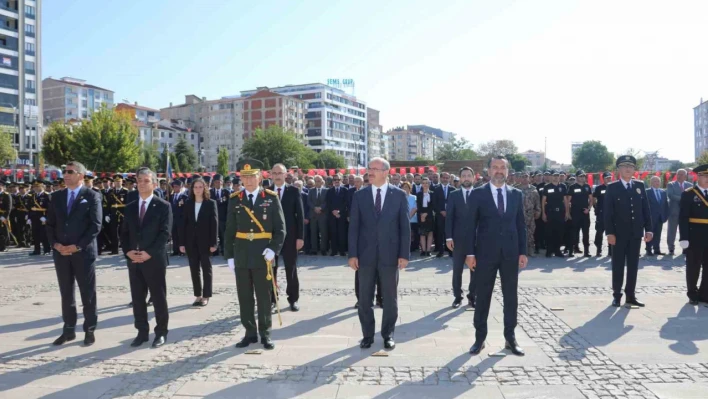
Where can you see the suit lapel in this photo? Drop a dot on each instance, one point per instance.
(77, 200)
(387, 201)
(201, 209)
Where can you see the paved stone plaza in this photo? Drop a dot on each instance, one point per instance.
(577, 345)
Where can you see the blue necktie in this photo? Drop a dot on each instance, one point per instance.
(500, 202)
(71, 202)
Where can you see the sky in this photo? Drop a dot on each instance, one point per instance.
(627, 73)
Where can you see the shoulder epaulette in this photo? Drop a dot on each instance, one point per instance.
(688, 189)
(271, 192)
(234, 194)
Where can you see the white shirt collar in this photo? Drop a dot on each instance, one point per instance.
(282, 188)
(147, 200)
(255, 193)
(494, 188)
(702, 189)
(624, 182)
(75, 191)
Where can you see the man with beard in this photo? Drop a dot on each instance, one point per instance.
(458, 235)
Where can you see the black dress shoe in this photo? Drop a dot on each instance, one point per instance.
(366, 343)
(64, 338)
(389, 344)
(649, 253)
(379, 304)
(634, 301)
(247, 341)
(693, 301)
(89, 339)
(456, 304)
(149, 302)
(114, 252)
(616, 302)
(598, 254)
(548, 254)
(294, 307)
(587, 254)
(571, 255)
(324, 253)
(356, 305)
(267, 344)
(159, 341)
(514, 347)
(471, 303)
(671, 252)
(139, 340)
(439, 255)
(560, 255)
(342, 254)
(477, 348)
(659, 253)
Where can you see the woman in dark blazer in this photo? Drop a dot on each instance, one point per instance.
(426, 224)
(200, 231)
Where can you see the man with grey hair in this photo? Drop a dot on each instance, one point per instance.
(659, 210)
(674, 190)
(318, 217)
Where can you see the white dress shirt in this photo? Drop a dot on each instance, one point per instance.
(383, 188)
(493, 188)
(197, 207)
(282, 191)
(426, 199)
(147, 203)
(465, 192)
(624, 183)
(255, 194)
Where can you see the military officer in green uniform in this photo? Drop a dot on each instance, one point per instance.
(5, 209)
(693, 230)
(255, 232)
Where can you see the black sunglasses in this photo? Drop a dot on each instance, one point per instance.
(69, 172)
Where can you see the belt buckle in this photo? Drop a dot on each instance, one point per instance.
(249, 236)
(558, 209)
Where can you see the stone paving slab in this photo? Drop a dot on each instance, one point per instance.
(680, 391)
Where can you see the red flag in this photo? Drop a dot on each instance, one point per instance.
(412, 170)
(602, 179)
(180, 174)
(674, 178)
(351, 171)
(342, 171)
(613, 176)
(667, 176)
(657, 174)
(644, 175)
(331, 172)
(421, 169)
(362, 171)
(636, 175)
(590, 180)
(311, 172)
(20, 174)
(392, 171)
(403, 171)
(433, 168)
(43, 175)
(265, 174)
(321, 172)
(694, 176)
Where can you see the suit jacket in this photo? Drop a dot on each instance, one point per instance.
(291, 203)
(457, 224)
(81, 226)
(379, 240)
(336, 201)
(626, 213)
(659, 209)
(222, 203)
(495, 237)
(427, 210)
(350, 197)
(313, 200)
(177, 206)
(305, 208)
(674, 190)
(134, 196)
(204, 230)
(152, 235)
(440, 201)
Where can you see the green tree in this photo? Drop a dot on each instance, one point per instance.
(7, 152)
(423, 160)
(107, 142)
(163, 161)
(149, 156)
(703, 159)
(57, 144)
(492, 148)
(275, 145)
(636, 154)
(517, 162)
(329, 159)
(186, 156)
(456, 150)
(677, 165)
(592, 157)
(222, 162)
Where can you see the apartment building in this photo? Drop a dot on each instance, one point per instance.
(70, 98)
(407, 144)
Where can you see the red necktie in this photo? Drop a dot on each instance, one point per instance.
(142, 212)
(279, 197)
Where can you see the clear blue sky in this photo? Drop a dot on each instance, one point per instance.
(627, 73)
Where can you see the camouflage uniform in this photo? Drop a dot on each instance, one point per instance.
(532, 207)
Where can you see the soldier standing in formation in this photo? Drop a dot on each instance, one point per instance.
(39, 203)
(540, 231)
(554, 206)
(693, 235)
(117, 199)
(598, 197)
(532, 208)
(255, 232)
(580, 195)
(5, 209)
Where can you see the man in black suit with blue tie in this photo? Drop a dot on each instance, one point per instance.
(379, 244)
(458, 235)
(336, 200)
(498, 234)
(73, 223)
(659, 207)
(441, 194)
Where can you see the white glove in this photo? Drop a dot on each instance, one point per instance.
(683, 244)
(29, 222)
(108, 219)
(232, 266)
(2, 219)
(268, 254)
(42, 219)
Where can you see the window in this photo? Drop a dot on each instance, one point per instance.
(30, 84)
(29, 66)
(29, 11)
(30, 101)
(84, 103)
(29, 30)
(29, 48)
(170, 134)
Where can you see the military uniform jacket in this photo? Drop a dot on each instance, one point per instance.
(5, 205)
(626, 212)
(532, 202)
(222, 203)
(248, 254)
(693, 218)
(38, 206)
(117, 200)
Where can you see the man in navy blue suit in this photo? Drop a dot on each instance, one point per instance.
(498, 236)
(379, 244)
(659, 208)
(336, 200)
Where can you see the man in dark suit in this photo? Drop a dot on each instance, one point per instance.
(177, 200)
(598, 197)
(499, 236)
(627, 220)
(5, 209)
(221, 196)
(458, 235)
(659, 208)
(144, 237)
(318, 217)
(441, 193)
(291, 202)
(73, 222)
(306, 215)
(693, 230)
(336, 204)
(379, 244)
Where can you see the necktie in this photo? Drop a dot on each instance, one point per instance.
(445, 191)
(378, 202)
(218, 194)
(705, 193)
(174, 199)
(279, 197)
(72, 197)
(629, 186)
(142, 212)
(250, 200)
(658, 198)
(467, 196)
(500, 202)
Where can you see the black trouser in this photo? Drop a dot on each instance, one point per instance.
(200, 261)
(485, 276)
(222, 229)
(626, 251)
(176, 238)
(78, 267)
(458, 267)
(114, 231)
(599, 230)
(389, 286)
(415, 238)
(337, 233)
(440, 234)
(568, 235)
(289, 256)
(379, 297)
(554, 231)
(539, 234)
(581, 221)
(18, 228)
(4, 236)
(39, 235)
(143, 278)
(697, 257)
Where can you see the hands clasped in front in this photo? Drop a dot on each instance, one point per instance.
(66, 250)
(138, 256)
(354, 263)
(471, 262)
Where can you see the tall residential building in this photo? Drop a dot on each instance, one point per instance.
(377, 142)
(442, 134)
(536, 158)
(68, 98)
(700, 128)
(335, 120)
(20, 87)
(166, 133)
(409, 144)
(140, 112)
(266, 108)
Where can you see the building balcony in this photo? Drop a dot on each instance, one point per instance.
(9, 6)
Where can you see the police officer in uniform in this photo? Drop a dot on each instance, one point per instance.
(554, 208)
(580, 195)
(5, 209)
(104, 237)
(255, 232)
(539, 234)
(627, 220)
(39, 203)
(117, 200)
(24, 231)
(598, 197)
(693, 235)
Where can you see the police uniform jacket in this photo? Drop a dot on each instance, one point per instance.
(626, 212)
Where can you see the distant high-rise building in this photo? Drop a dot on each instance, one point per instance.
(140, 112)
(536, 158)
(409, 144)
(69, 99)
(700, 128)
(377, 142)
(442, 134)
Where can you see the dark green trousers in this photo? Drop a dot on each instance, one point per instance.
(249, 281)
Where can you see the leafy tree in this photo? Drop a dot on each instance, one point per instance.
(107, 142)
(329, 159)
(275, 145)
(163, 161)
(186, 156)
(517, 162)
(423, 160)
(7, 151)
(57, 144)
(456, 150)
(677, 165)
(593, 156)
(492, 148)
(149, 156)
(222, 162)
(703, 159)
(636, 154)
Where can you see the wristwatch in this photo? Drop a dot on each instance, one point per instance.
(78, 248)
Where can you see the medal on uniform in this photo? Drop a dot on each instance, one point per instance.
(639, 191)
(265, 216)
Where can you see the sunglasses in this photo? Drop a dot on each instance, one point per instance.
(336, 180)
(69, 172)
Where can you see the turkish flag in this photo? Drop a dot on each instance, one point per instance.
(590, 180)
(613, 176)
(403, 171)
(636, 175)
(392, 171)
(342, 171)
(362, 171)
(331, 172)
(644, 175)
(421, 169)
(351, 171)
(667, 176)
(412, 170)
(433, 168)
(674, 178)
(20, 174)
(311, 172)
(321, 172)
